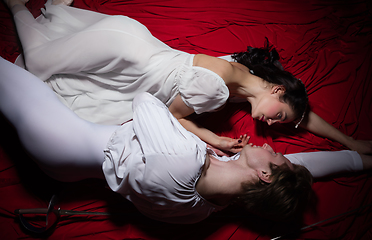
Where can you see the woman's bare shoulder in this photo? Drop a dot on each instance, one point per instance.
(220, 66)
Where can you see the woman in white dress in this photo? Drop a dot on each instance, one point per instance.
(98, 63)
(167, 172)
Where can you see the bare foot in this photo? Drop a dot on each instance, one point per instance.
(62, 2)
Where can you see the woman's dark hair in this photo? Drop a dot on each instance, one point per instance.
(264, 63)
(287, 195)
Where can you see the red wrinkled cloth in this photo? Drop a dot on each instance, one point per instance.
(327, 44)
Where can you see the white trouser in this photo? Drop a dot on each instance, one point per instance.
(65, 146)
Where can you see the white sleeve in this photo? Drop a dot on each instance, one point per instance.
(325, 163)
(173, 156)
(203, 90)
(158, 131)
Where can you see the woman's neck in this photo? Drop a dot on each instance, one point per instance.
(243, 84)
(238, 79)
(249, 88)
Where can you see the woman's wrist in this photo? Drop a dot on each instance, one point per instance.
(349, 142)
(218, 142)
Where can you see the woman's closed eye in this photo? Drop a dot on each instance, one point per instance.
(279, 116)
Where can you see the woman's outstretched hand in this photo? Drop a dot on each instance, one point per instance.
(233, 145)
(361, 146)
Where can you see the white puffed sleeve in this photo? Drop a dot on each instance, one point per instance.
(202, 89)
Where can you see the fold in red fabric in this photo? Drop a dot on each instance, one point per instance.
(327, 44)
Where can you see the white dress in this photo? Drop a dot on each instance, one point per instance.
(98, 63)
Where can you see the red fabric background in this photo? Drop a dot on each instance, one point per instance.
(325, 43)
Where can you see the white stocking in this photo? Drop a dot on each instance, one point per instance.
(65, 146)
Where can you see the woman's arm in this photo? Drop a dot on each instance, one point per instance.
(180, 111)
(319, 126)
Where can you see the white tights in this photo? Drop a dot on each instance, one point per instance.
(66, 147)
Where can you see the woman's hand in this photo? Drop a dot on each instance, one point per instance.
(361, 146)
(317, 125)
(233, 145)
(180, 110)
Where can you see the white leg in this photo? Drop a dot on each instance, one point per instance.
(65, 146)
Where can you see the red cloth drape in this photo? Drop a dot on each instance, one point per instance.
(327, 44)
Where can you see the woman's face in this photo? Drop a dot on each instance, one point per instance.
(259, 160)
(271, 110)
